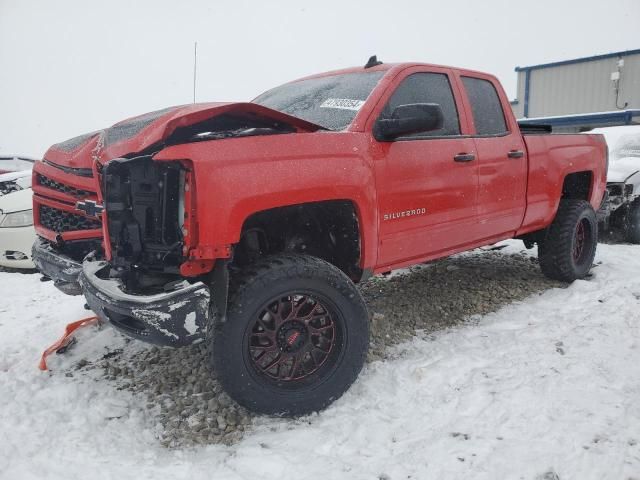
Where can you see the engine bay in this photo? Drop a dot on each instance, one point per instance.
(144, 201)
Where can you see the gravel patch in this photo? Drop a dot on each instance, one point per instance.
(446, 293)
(181, 392)
(188, 404)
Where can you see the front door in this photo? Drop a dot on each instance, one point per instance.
(426, 182)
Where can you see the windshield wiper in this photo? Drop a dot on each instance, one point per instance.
(240, 132)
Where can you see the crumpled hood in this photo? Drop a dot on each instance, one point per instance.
(142, 132)
(622, 168)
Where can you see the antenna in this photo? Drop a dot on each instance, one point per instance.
(195, 66)
(373, 61)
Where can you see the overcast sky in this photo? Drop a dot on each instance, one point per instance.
(73, 66)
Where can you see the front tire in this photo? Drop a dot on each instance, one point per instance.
(568, 250)
(295, 337)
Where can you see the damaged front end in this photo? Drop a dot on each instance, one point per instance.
(143, 269)
(173, 317)
(144, 208)
(140, 290)
(615, 204)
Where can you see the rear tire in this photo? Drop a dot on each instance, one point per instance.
(302, 316)
(568, 250)
(632, 224)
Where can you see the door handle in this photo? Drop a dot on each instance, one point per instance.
(515, 154)
(464, 157)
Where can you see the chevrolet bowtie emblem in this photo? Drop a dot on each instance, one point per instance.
(90, 207)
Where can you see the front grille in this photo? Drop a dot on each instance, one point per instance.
(61, 221)
(81, 172)
(59, 187)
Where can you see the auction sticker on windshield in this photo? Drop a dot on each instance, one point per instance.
(342, 103)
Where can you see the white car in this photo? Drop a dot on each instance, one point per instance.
(620, 209)
(15, 163)
(16, 229)
(12, 182)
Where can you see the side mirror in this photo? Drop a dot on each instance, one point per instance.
(409, 119)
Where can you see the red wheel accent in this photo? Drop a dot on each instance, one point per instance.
(580, 241)
(292, 337)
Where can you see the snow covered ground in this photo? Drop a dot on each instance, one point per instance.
(544, 387)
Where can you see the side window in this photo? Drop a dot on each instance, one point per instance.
(427, 88)
(485, 105)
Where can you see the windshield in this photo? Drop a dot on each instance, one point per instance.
(331, 102)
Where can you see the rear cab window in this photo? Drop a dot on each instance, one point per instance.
(486, 108)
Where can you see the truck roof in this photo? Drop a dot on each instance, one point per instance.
(390, 67)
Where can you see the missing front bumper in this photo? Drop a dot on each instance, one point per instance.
(174, 318)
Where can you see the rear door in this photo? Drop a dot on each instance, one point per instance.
(426, 182)
(502, 160)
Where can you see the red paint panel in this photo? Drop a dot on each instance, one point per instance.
(237, 178)
(551, 159)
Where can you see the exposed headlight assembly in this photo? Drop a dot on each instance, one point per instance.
(23, 218)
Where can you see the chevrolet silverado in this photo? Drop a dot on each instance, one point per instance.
(247, 225)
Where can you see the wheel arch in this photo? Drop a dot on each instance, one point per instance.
(578, 186)
(571, 185)
(337, 229)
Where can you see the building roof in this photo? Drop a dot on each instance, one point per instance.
(580, 60)
(586, 121)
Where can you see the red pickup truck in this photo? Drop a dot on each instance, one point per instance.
(247, 225)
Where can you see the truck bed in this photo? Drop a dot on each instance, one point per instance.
(551, 158)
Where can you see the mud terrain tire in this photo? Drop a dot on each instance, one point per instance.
(304, 317)
(568, 250)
